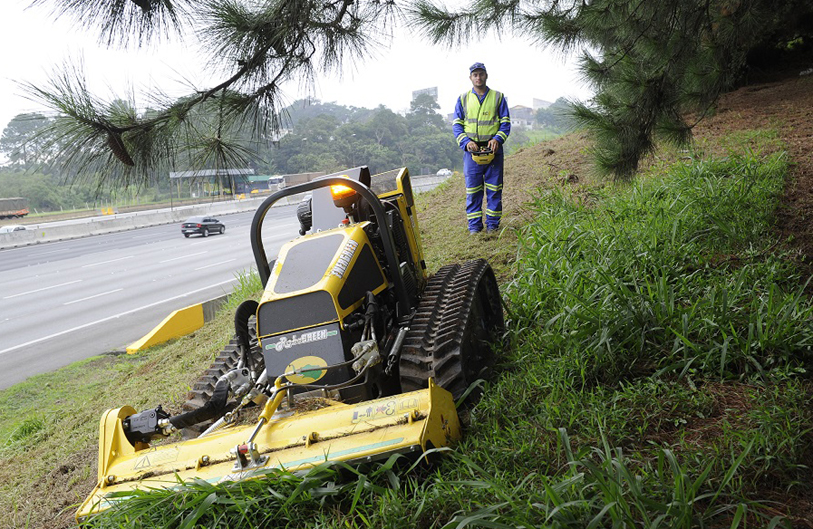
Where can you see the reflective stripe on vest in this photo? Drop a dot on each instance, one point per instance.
(482, 122)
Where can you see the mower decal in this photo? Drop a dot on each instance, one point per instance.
(286, 342)
(333, 456)
(155, 457)
(142, 462)
(374, 411)
(378, 410)
(447, 430)
(310, 367)
(344, 259)
(409, 404)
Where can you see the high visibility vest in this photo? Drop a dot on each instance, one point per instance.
(482, 121)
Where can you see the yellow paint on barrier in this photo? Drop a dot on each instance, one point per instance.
(179, 323)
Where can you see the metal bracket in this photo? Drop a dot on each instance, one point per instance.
(248, 457)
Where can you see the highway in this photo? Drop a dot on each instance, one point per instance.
(65, 301)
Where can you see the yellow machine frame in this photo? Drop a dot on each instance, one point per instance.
(410, 422)
(405, 423)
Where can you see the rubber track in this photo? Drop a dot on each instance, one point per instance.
(432, 347)
(225, 361)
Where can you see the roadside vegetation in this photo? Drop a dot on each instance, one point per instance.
(654, 374)
(655, 369)
(649, 63)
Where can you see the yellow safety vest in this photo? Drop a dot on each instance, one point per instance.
(482, 122)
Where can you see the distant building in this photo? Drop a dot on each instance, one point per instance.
(212, 182)
(301, 178)
(276, 136)
(521, 116)
(431, 91)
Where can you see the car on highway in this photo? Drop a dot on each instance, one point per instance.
(444, 172)
(202, 225)
(12, 227)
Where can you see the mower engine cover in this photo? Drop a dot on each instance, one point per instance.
(316, 282)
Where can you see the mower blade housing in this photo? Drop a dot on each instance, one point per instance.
(409, 422)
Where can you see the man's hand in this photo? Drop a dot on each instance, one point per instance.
(471, 146)
(494, 145)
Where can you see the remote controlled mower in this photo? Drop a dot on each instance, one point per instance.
(353, 352)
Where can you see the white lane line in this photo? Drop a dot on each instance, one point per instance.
(41, 289)
(216, 264)
(94, 296)
(119, 315)
(182, 257)
(106, 262)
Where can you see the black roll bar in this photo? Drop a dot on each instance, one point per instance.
(261, 258)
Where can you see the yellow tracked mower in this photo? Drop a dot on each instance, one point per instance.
(352, 353)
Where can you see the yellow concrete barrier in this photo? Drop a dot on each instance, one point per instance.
(179, 323)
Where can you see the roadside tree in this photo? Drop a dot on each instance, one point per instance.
(20, 141)
(652, 64)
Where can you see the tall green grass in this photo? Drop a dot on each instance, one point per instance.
(657, 377)
(598, 488)
(677, 275)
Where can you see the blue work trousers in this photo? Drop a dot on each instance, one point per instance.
(481, 178)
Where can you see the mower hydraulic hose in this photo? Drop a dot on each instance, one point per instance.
(255, 392)
(215, 407)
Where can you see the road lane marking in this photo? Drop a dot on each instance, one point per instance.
(41, 289)
(107, 262)
(182, 257)
(115, 316)
(215, 264)
(94, 296)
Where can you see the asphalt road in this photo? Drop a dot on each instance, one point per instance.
(65, 301)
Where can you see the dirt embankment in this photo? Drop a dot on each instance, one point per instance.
(786, 106)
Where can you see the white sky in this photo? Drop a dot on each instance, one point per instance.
(34, 45)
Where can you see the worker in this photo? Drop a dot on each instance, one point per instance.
(482, 123)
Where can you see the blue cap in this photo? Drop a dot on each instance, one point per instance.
(477, 66)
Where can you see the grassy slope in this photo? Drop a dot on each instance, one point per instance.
(575, 395)
(54, 420)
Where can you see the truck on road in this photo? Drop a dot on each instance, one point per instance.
(13, 208)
